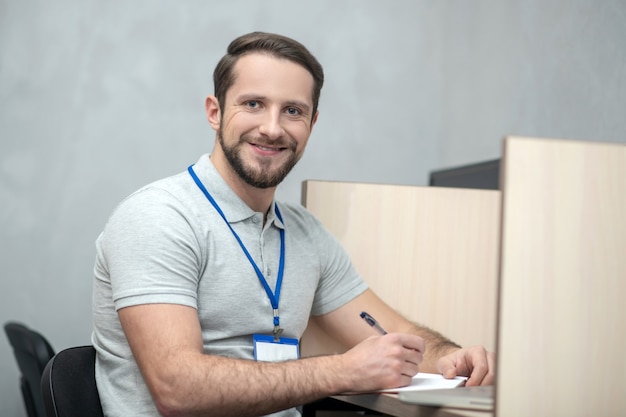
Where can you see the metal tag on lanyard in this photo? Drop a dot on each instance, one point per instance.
(277, 329)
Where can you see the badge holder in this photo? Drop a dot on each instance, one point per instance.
(271, 349)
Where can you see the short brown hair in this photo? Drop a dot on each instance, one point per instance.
(270, 43)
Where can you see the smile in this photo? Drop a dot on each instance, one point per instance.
(269, 149)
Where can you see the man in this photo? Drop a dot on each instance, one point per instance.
(204, 284)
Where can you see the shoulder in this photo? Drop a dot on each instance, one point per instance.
(303, 226)
(169, 201)
(297, 216)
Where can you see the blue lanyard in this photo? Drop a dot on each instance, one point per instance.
(273, 296)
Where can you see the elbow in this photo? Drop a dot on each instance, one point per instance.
(169, 400)
(167, 410)
(172, 387)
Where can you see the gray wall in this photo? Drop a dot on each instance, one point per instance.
(98, 98)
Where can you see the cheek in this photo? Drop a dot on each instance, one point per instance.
(238, 122)
(300, 132)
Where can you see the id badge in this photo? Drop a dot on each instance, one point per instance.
(268, 349)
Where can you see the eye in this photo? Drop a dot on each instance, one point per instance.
(253, 104)
(293, 111)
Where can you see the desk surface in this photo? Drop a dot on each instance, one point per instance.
(390, 404)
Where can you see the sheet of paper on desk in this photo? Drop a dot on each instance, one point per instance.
(424, 381)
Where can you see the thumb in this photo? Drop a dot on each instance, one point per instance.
(447, 367)
(449, 373)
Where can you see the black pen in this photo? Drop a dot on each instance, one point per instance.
(372, 322)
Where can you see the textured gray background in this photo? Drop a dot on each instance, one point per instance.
(98, 98)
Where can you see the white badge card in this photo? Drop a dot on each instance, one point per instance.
(268, 349)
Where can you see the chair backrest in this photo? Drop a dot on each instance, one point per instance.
(32, 352)
(68, 384)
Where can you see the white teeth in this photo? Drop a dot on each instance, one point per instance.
(265, 148)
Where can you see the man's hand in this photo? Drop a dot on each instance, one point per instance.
(381, 362)
(474, 362)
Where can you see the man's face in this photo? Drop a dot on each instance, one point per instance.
(266, 120)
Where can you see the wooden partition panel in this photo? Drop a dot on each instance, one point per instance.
(562, 320)
(429, 252)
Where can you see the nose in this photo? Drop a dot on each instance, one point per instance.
(271, 125)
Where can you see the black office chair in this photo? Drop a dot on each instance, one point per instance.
(32, 352)
(68, 384)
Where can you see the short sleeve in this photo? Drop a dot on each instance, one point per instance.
(151, 251)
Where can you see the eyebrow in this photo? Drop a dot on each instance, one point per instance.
(306, 108)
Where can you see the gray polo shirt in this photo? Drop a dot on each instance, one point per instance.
(167, 244)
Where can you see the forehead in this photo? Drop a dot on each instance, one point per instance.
(272, 76)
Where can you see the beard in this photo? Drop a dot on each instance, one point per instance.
(264, 176)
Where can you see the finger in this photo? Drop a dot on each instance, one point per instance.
(413, 357)
(479, 365)
(449, 373)
(447, 367)
(490, 378)
(410, 369)
(413, 343)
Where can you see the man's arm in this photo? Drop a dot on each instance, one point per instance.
(441, 354)
(166, 342)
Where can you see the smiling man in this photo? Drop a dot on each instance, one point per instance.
(204, 283)
(263, 125)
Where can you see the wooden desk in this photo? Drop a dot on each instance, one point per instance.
(390, 404)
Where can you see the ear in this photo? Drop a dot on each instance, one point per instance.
(213, 113)
(313, 121)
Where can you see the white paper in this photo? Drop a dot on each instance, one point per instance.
(424, 381)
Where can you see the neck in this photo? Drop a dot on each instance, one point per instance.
(258, 199)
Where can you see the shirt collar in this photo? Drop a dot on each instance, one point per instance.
(234, 208)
